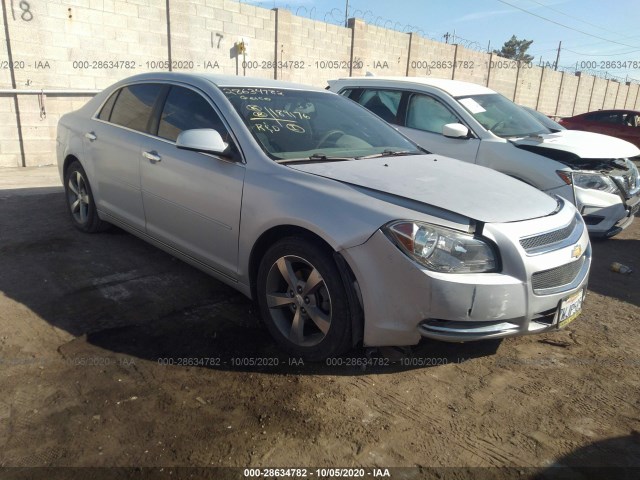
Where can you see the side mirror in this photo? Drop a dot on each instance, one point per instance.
(455, 130)
(204, 140)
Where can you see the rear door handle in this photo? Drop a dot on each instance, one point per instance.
(90, 136)
(152, 156)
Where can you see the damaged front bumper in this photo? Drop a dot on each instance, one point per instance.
(403, 301)
(605, 214)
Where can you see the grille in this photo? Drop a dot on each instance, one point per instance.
(534, 243)
(557, 277)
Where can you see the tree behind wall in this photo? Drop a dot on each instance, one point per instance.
(516, 49)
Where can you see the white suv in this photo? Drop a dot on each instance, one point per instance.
(475, 124)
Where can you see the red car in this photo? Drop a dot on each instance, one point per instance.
(624, 124)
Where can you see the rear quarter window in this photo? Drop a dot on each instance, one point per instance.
(105, 111)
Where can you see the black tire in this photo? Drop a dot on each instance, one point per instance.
(327, 298)
(80, 203)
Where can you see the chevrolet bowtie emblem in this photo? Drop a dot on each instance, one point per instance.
(577, 250)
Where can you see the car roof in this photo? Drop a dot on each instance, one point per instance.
(220, 80)
(613, 110)
(455, 88)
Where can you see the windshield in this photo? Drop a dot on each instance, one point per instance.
(315, 126)
(501, 117)
(543, 119)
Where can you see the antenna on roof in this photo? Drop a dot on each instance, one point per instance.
(369, 74)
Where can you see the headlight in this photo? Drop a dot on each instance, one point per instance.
(440, 249)
(594, 181)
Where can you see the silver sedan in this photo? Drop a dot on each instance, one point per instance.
(341, 229)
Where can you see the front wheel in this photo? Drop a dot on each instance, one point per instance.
(303, 300)
(80, 201)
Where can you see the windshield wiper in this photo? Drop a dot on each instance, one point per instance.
(316, 157)
(391, 153)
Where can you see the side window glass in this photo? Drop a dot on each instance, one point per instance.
(133, 106)
(604, 117)
(105, 113)
(346, 92)
(629, 120)
(185, 109)
(383, 103)
(428, 114)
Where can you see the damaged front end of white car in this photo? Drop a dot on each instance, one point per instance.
(600, 176)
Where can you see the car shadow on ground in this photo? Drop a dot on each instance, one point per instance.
(227, 336)
(126, 296)
(617, 458)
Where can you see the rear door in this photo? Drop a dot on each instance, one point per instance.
(192, 200)
(113, 145)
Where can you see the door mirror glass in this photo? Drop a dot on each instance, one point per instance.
(455, 130)
(204, 140)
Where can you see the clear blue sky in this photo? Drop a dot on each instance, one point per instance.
(479, 22)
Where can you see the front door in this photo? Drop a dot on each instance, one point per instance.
(425, 118)
(192, 200)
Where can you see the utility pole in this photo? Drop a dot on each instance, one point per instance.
(555, 67)
(446, 37)
(346, 15)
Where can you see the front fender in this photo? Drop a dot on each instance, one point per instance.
(342, 215)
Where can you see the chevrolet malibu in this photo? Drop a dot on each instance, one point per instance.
(342, 230)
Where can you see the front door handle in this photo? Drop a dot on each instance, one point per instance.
(152, 156)
(90, 136)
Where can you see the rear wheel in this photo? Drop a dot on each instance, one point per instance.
(80, 202)
(303, 300)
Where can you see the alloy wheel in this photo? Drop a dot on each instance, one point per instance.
(298, 300)
(78, 197)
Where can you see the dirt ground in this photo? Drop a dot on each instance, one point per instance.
(112, 353)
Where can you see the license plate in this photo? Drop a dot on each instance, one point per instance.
(570, 308)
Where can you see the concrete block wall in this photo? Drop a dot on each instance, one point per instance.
(378, 50)
(86, 45)
(71, 45)
(567, 96)
(621, 96)
(205, 35)
(502, 74)
(549, 92)
(5, 72)
(598, 91)
(632, 98)
(313, 51)
(528, 86)
(583, 94)
(610, 94)
(430, 58)
(471, 66)
(10, 153)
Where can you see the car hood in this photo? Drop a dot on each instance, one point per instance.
(585, 145)
(460, 187)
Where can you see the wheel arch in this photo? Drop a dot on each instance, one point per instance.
(276, 233)
(68, 160)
